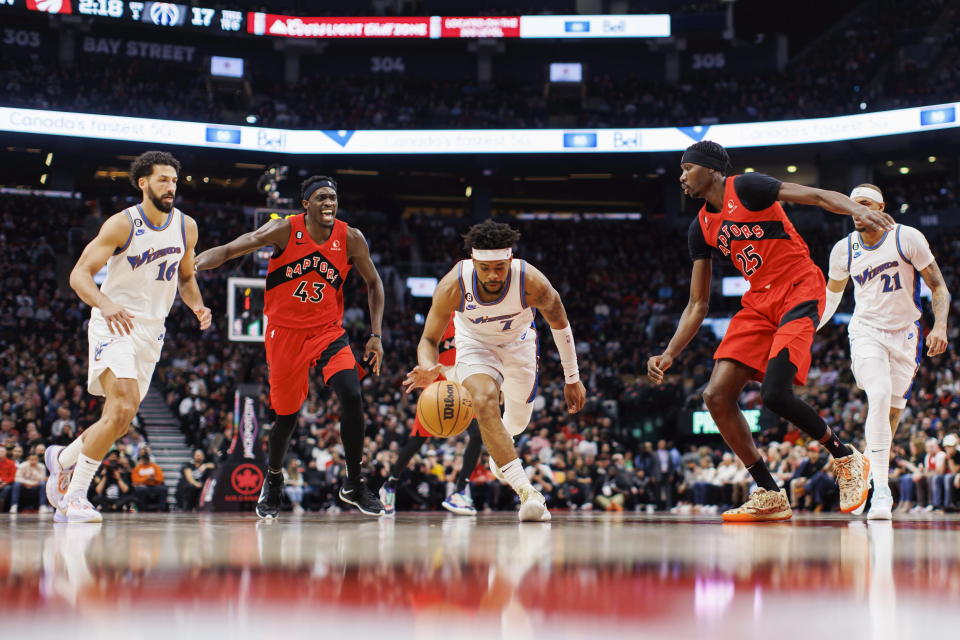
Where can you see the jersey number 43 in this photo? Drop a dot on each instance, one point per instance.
(305, 296)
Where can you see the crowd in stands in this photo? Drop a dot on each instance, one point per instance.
(628, 448)
(888, 55)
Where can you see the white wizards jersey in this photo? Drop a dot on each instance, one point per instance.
(500, 322)
(142, 275)
(886, 276)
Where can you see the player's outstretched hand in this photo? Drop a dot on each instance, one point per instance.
(657, 366)
(373, 354)
(576, 396)
(874, 220)
(205, 317)
(119, 320)
(420, 377)
(936, 342)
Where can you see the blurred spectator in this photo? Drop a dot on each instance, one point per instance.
(192, 476)
(112, 488)
(147, 479)
(30, 482)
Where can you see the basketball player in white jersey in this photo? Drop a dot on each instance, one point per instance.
(149, 251)
(494, 296)
(886, 341)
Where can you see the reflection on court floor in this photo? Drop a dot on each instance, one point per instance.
(442, 576)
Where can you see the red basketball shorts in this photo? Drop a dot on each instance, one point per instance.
(782, 316)
(418, 431)
(291, 353)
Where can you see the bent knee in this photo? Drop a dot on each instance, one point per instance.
(716, 399)
(774, 398)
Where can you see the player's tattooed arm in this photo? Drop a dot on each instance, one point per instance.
(541, 295)
(690, 320)
(937, 338)
(359, 253)
(273, 232)
(187, 284)
(836, 202)
(114, 234)
(446, 300)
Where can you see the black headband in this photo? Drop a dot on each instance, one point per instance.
(313, 186)
(704, 160)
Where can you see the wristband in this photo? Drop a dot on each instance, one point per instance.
(563, 338)
(375, 335)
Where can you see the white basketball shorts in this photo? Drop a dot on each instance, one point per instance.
(127, 356)
(900, 350)
(512, 366)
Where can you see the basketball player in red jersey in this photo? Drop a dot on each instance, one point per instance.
(460, 501)
(770, 339)
(303, 302)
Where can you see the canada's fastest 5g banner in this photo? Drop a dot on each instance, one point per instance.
(472, 141)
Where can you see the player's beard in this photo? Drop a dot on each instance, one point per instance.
(488, 289)
(159, 203)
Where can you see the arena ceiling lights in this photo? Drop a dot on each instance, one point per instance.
(474, 141)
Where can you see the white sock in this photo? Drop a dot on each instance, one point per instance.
(68, 457)
(874, 376)
(515, 475)
(83, 474)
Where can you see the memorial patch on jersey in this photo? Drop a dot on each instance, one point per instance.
(314, 262)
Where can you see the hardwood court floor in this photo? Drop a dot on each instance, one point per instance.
(442, 576)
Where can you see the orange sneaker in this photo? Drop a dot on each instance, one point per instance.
(763, 506)
(853, 478)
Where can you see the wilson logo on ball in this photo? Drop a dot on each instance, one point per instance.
(445, 409)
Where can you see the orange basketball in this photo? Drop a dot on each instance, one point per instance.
(445, 408)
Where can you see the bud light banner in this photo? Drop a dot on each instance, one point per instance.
(237, 481)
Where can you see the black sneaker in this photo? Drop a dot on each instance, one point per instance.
(271, 496)
(357, 493)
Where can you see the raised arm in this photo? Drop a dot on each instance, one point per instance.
(187, 285)
(690, 320)
(359, 253)
(541, 295)
(937, 338)
(115, 233)
(273, 232)
(446, 300)
(836, 202)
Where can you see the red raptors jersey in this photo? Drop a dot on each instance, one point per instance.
(305, 283)
(763, 245)
(448, 347)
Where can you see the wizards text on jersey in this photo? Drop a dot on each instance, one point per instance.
(150, 255)
(871, 273)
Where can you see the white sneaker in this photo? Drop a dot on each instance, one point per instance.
(496, 470)
(460, 504)
(882, 506)
(13, 509)
(44, 509)
(297, 509)
(76, 508)
(533, 506)
(388, 497)
(59, 478)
